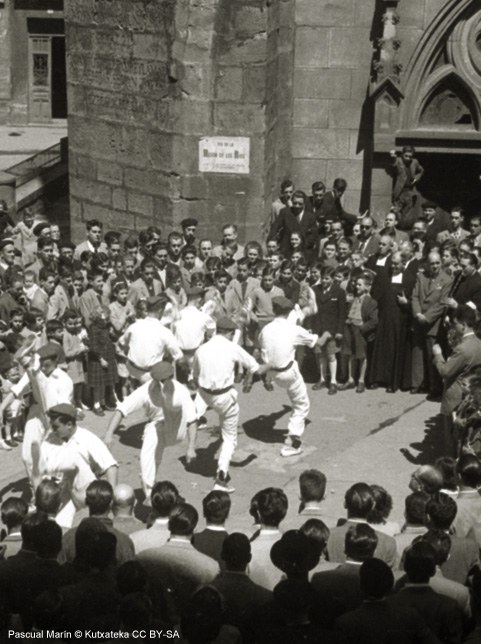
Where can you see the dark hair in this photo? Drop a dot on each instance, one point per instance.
(382, 507)
(441, 511)
(420, 562)
(360, 542)
(183, 519)
(174, 235)
(317, 531)
(49, 542)
(216, 507)
(30, 530)
(415, 508)
(312, 485)
(447, 466)
(440, 542)
(43, 242)
(340, 184)
(13, 512)
(270, 506)
(469, 470)
(48, 496)
(318, 185)
(299, 194)
(112, 237)
(236, 551)
(189, 248)
(164, 497)
(44, 274)
(466, 315)
(408, 148)
(359, 500)
(147, 262)
(52, 326)
(376, 579)
(98, 497)
(287, 183)
(93, 223)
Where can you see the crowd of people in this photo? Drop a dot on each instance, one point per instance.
(296, 578)
(129, 323)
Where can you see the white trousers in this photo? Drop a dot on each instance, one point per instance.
(227, 408)
(157, 436)
(293, 382)
(34, 433)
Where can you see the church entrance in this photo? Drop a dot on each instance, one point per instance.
(452, 180)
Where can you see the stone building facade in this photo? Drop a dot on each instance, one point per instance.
(321, 89)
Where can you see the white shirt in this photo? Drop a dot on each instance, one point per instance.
(215, 361)
(81, 459)
(191, 328)
(148, 340)
(55, 389)
(176, 410)
(279, 340)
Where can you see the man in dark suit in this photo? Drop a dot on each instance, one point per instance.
(437, 221)
(456, 231)
(359, 501)
(441, 613)
(428, 302)
(407, 172)
(296, 219)
(454, 370)
(368, 241)
(341, 585)
(332, 209)
(216, 506)
(466, 286)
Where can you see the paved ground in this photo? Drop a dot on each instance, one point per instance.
(373, 437)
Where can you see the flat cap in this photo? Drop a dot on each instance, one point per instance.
(282, 304)
(226, 324)
(162, 370)
(194, 290)
(189, 221)
(63, 409)
(5, 242)
(49, 350)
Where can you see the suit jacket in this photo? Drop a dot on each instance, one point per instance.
(428, 298)
(124, 550)
(331, 310)
(340, 585)
(60, 301)
(369, 314)
(441, 223)
(237, 301)
(440, 613)
(85, 245)
(331, 209)
(90, 303)
(467, 289)
(386, 546)
(40, 301)
(369, 248)
(401, 177)
(469, 511)
(209, 542)
(465, 356)
(286, 223)
(138, 290)
(444, 235)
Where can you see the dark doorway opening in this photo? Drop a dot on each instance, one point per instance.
(452, 180)
(59, 78)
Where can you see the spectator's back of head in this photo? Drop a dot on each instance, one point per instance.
(382, 505)
(312, 485)
(101, 553)
(469, 470)
(85, 537)
(440, 542)
(426, 478)
(359, 501)
(99, 497)
(123, 499)
(420, 562)
(183, 520)
(317, 531)
(203, 617)
(415, 508)
(30, 530)
(216, 507)
(164, 497)
(269, 506)
(13, 511)
(236, 552)
(376, 579)
(48, 497)
(360, 542)
(49, 540)
(447, 466)
(441, 512)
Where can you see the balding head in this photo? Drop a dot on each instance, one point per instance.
(124, 499)
(426, 478)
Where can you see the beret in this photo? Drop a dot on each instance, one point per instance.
(5, 242)
(189, 221)
(226, 324)
(39, 227)
(162, 370)
(282, 304)
(64, 409)
(49, 350)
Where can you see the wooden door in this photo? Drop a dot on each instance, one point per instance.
(40, 109)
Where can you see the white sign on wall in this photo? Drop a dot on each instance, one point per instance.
(227, 154)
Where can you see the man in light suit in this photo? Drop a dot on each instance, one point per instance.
(296, 219)
(428, 303)
(147, 285)
(407, 172)
(457, 232)
(465, 356)
(391, 222)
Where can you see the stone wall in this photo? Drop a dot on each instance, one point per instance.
(5, 64)
(146, 81)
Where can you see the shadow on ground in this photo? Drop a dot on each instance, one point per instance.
(262, 429)
(430, 448)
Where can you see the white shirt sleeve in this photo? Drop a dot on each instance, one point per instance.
(134, 401)
(22, 387)
(245, 359)
(100, 457)
(172, 345)
(303, 338)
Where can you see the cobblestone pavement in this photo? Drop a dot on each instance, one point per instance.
(373, 437)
